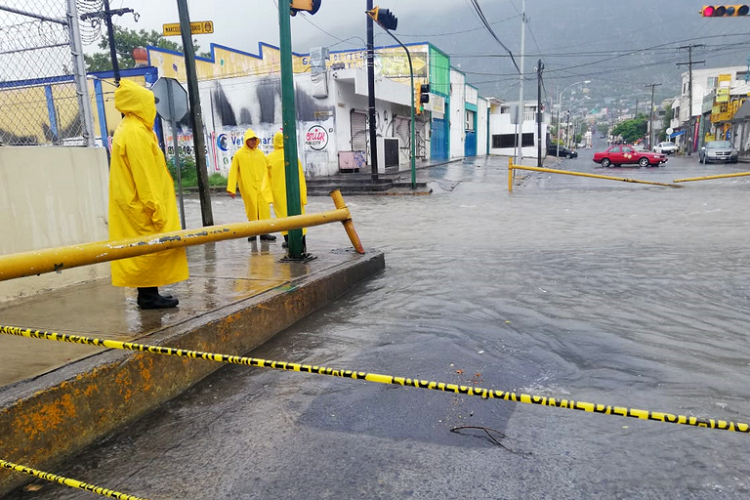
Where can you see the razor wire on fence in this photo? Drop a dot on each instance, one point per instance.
(44, 96)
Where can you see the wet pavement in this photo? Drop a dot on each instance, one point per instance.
(599, 291)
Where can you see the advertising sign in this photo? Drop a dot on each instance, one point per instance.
(317, 138)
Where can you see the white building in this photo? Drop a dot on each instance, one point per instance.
(704, 81)
(504, 134)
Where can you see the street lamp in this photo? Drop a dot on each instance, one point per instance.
(559, 110)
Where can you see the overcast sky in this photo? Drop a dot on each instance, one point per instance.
(242, 24)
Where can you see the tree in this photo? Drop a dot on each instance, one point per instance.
(631, 130)
(125, 41)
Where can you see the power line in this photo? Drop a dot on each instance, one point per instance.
(462, 31)
(479, 12)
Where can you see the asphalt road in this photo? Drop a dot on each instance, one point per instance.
(569, 287)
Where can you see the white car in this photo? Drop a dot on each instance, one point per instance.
(666, 148)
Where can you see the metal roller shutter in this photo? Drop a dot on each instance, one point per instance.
(359, 131)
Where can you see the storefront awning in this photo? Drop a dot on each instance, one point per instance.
(743, 113)
(675, 134)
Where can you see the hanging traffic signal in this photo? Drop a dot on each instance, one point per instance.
(737, 10)
(384, 18)
(424, 93)
(309, 6)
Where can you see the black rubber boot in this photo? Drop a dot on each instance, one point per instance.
(267, 237)
(149, 298)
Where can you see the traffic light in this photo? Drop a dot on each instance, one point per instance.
(424, 93)
(309, 6)
(384, 18)
(737, 10)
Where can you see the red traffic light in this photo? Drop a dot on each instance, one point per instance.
(735, 10)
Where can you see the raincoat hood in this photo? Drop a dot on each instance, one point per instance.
(249, 135)
(131, 98)
(278, 140)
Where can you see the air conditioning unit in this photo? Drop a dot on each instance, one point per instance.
(389, 149)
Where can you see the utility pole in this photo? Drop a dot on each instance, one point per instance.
(107, 14)
(651, 116)
(539, 114)
(637, 101)
(371, 94)
(79, 70)
(520, 96)
(689, 64)
(289, 117)
(196, 118)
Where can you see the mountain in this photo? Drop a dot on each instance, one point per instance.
(619, 45)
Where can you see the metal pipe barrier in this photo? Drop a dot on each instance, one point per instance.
(56, 259)
(512, 167)
(568, 404)
(72, 483)
(711, 177)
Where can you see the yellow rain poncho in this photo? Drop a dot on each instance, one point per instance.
(249, 169)
(275, 186)
(141, 193)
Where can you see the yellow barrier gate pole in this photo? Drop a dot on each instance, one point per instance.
(568, 404)
(595, 176)
(510, 175)
(72, 483)
(338, 201)
(710, 177)
(56, 259)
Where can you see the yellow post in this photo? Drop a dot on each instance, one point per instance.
(56, 259)
(510, 175)
(595, 176)
(338, 200)
(708, 178)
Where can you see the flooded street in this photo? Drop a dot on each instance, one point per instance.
(598, 291)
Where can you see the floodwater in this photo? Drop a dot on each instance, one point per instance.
(599, 291)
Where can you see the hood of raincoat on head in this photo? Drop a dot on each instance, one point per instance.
(131, 98)
(250, 135)
(278, 140)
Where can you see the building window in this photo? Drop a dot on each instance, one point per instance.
(509, 140)
(712, 82)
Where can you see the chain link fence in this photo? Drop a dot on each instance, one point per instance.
(44, 97)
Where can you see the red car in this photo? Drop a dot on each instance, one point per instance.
(624, 155)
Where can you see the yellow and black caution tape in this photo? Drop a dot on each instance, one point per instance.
(569, 404)
(67, 481)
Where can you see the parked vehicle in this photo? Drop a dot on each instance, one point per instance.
(668, 148)
(564, 152)
(718, 151)
(626, 155)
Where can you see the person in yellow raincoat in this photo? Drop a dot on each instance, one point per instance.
(249, 168)
(274, 187)
(142, 201)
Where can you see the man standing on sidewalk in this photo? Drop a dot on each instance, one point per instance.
(275, 185)
(142, 200)
(249, 169)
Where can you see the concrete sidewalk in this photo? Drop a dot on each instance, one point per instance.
(56, 398)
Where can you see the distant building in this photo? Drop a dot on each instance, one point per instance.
(504, 133)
